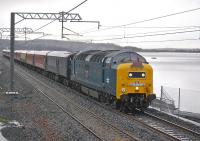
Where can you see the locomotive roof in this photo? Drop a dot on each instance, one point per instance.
(126, 51)
(59, 53)
(84, 54)
(87, 52)
(100, 55)
(121, 51)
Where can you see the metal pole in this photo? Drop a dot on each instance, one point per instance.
(199, 34)
(62, 36)
(161, 97)
(25, 34)
(124, 31)
(179, 100)
(12, 44)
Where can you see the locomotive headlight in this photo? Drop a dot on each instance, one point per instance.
(130, 74)
(136, 88)
(143, 74)
(123, 90)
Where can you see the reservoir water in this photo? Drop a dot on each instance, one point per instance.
(174, 71)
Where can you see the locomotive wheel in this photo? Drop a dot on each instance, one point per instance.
(117, 104)
(142, 109)
(133, 110)
(124, 107)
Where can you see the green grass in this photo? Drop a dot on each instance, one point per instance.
(3, 120)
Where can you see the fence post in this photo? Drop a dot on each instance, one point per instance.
(161, 97)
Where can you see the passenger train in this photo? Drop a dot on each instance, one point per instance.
(119, 77)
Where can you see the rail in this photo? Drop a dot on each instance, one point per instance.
(130, 136)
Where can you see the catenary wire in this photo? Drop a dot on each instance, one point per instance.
(147, 20)
(123, 35)
(158, 41)
(160, 34)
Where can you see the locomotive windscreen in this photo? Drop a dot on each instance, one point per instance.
(137, 75)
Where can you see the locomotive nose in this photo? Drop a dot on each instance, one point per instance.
(134, 80)
(135, 85)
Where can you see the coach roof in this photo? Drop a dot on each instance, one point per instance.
(59, 53)
(41, 52)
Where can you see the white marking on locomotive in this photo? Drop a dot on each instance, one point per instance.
(107, 80)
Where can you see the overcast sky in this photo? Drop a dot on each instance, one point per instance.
(114, 13)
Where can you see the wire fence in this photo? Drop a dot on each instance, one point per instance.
(171, 99)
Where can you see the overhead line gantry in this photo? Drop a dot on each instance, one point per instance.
(61, 17)
(24, 30)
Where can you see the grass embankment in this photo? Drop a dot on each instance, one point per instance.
(3, 120)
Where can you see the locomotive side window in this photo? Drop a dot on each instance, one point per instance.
(88, 57)
(108, 60)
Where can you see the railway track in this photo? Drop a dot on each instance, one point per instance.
(176, 135)
(163, 127)
(63, 109)
(37, 84)
(172, 132)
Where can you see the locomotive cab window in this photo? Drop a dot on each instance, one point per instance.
(128, 58)
(136, 74)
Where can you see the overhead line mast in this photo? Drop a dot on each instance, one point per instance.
(61, 17)
(24, 31)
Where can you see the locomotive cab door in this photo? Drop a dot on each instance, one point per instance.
(106, 67)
